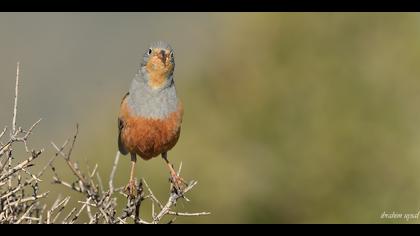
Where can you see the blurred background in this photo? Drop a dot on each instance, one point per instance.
(289, 117)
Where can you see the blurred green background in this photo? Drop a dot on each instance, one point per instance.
(289, 117)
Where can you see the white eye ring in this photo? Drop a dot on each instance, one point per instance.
(149, 52)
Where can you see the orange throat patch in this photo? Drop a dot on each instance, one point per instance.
(158, 72)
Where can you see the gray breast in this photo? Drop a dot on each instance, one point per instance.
(152, 103)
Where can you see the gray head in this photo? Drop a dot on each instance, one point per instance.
(158, 65)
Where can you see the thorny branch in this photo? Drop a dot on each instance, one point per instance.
(20, 195)
(19, 190)
(101, 205)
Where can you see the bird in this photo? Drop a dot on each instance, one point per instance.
(150, 115)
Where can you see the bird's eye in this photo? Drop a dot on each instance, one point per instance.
(150, 51)
(172, 54)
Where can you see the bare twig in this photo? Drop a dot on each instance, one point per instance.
(70, 164)
(32, 175)
(21, 165)
(74, 141)
(188, 214)
(52, 160)
(3, 132)
(68, 185)
(114, 168)
(80, 211)
(152, 195)
(5, 148)
(25, 215)
(16, 100)
(171, 202)
(29, 199)
(69, 215)
(101, 186)
(57, 205)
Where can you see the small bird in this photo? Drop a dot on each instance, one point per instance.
(150, 116)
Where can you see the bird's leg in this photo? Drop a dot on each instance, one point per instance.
(176, 180)
(131, 188)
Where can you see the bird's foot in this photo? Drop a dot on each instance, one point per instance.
(178, 183)
(131, 189)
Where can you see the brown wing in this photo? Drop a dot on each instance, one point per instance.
(121, 146)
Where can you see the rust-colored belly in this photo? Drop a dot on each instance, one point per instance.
(149, 138)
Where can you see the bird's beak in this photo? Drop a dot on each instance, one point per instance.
(162, 56)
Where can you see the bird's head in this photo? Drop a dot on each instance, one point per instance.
(158, 64)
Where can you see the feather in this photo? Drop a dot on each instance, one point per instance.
(121, 146)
